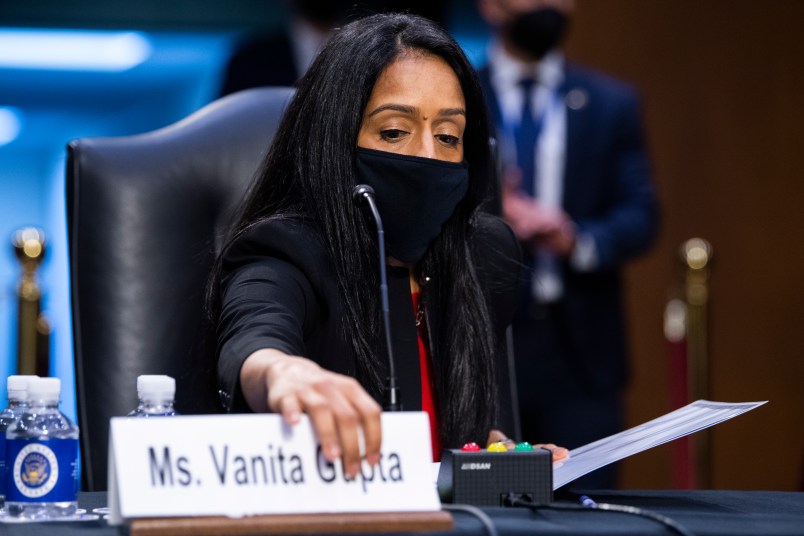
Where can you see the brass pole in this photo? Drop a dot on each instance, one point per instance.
(32, 328)
(697, 254)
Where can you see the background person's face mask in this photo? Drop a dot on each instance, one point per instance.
(414, 195)
(537, 32)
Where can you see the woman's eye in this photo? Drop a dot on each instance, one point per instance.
(392, 134)
(447, 139)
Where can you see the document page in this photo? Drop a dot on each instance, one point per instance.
(697, 416)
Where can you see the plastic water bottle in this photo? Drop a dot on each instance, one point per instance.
(156, 394)
(42, 453)
(17, 389)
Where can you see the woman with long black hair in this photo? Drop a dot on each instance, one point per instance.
(392, 102)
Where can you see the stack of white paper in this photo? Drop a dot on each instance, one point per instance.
(684, 421)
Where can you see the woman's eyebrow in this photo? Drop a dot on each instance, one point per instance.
(412, 110)
(452, 111)
(409, 110)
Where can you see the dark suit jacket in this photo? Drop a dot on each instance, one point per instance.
(608, 193)
(278, 290)
(261, 60)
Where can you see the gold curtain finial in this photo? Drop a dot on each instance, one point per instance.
(33, 331)
(696, 255)
(29, 246)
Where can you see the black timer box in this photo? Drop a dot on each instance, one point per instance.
(485, 478)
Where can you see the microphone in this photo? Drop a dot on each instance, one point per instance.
(359, 193)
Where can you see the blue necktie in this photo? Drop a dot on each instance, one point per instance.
(526, 134)
(546, 285)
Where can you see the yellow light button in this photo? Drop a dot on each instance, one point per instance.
(498, 446)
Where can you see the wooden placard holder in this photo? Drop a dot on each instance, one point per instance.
(375, 522)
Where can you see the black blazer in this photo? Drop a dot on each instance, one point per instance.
(278, 290)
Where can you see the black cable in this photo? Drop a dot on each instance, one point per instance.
(590, 505)
(475, 511)
(650, 514)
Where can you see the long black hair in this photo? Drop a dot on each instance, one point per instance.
(310, 171)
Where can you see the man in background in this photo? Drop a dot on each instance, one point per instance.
(281, 58)
(578, 194)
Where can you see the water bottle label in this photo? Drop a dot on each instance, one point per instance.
(42, 471)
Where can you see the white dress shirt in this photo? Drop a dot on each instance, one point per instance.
(548, 104)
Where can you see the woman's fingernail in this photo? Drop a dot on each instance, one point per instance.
(333, 452)
(353, 469)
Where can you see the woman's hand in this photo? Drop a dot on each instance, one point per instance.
(337, 405)
(496, 436)
(560, 454)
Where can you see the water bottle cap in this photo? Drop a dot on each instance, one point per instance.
(158, 386)
(17, 387)
(44, 388)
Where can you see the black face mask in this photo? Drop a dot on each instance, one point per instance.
(415, 196)
(538, 31)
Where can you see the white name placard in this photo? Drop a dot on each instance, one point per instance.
(238, 465)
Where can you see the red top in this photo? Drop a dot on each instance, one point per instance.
(426, 367)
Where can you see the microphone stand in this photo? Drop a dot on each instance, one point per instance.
(363, 191)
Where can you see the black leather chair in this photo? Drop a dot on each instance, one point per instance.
(146, 216)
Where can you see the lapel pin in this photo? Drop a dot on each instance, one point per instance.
(576, 98)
